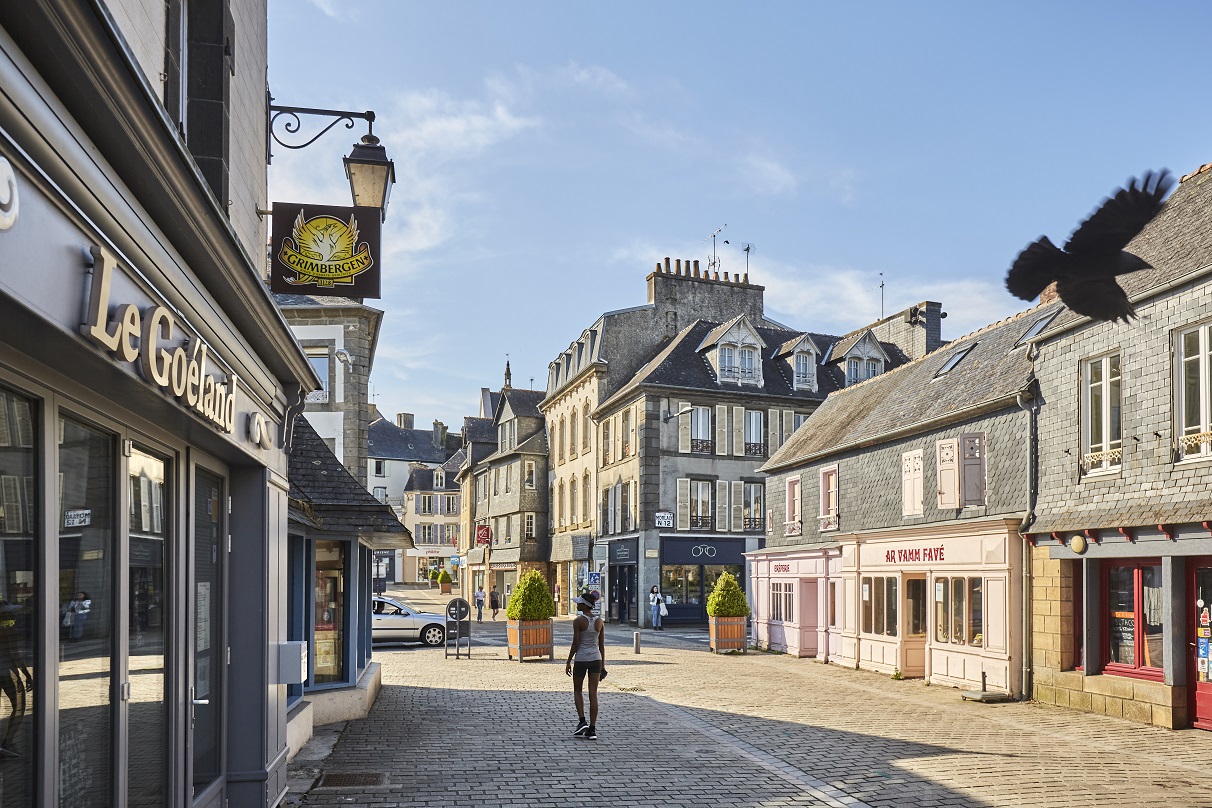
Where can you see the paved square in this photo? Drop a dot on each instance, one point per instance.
(682, 727)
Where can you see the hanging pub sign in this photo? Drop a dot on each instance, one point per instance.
(325, 251)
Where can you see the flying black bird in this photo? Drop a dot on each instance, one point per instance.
(1085, 270)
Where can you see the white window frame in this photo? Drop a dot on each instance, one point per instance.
(528, 530)
(782, 601)
(728, 366)
(797, 420)
(873, 369)
(439, 478)
(803, 375)
(830, 499)
(1195, 433)
(1106, 455)
(380, 493)
(853, 369)
(424, 533)
(753, 506)
(700, 426)
(869, 585)
(451, 505)
(425, 504)
(380, 468)
(747, 364)
(530, 474)
(793, 526)
(702, 503)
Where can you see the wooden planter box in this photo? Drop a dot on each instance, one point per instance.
(727, 634)
(445, 589)
(530, 639)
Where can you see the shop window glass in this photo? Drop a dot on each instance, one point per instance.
(976, 612)
(148, 736)
(877, 605)
(867, 605)
(1135, 628)
(330, 612)
(833, 604)
(915, 593)
(209, 627)
(18, 604)
(86, 598)
(942, 601)
(958, 629)
(681, 583)
(890, 613)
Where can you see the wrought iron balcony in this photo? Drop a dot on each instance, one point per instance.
(700, 522)
(755, 450)
(702, 446)
(755, 525)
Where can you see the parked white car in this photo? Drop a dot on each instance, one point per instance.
(396, 620)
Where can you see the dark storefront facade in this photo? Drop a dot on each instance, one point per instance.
(623, 580)
(689, 570)
(146, 381)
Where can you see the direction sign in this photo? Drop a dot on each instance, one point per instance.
(458, 609)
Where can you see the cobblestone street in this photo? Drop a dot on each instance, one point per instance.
(682, 727)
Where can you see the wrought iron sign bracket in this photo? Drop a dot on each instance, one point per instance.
(290, 124)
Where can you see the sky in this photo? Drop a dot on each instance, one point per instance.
(549, 154)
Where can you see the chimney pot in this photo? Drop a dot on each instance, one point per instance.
(725, 276)
(667, 264)
(716, 276)
(404, 420)
(745, 279)
(678, 264)
(658, 269)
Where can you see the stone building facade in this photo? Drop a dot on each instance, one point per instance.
(1123, 560)
(340, 336)
(432, 512)
(893, 543)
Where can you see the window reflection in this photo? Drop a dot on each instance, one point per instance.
(147, 624)
(18, 616)
(330, 612)
(86, 597)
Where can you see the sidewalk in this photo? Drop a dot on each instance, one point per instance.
(681, 727)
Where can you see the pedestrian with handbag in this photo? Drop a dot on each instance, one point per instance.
(586, 658)
(657, 601)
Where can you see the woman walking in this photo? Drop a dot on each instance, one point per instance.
(494, 602)
(586, 657)
(657, 602)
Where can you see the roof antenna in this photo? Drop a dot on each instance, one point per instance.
(746, 249)
(713, 263)
(881, 295)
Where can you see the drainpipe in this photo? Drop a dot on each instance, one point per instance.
(1029, 402)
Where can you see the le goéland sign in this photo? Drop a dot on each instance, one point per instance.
(156, 340)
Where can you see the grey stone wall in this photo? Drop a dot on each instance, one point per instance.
(1151, 488)
(869, 481)
(917, 330)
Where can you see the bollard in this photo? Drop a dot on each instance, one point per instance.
(637, 642)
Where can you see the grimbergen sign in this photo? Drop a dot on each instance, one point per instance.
(325, 251)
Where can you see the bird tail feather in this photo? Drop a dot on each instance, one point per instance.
(1034, 269)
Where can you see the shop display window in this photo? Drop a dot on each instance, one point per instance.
(915, 595)
(782, 601)
(1133, 620)
(147, 619)
(86, 606)
(833, 596)
(959, 611)
(880, 601)
(681, 584)
(329, 612)
(18, 602)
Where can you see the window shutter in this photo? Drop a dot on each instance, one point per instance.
(721, 429)
(738, 431)
(738, 511)
(721, 505)
(906, 484)
(948, 473)
(683, 429)
(788, 424)
(635, 429)
(776, 434)
(972, 471)
(617, 434)
(683, 522)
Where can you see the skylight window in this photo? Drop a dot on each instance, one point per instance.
(955, 359)
(1036, 328)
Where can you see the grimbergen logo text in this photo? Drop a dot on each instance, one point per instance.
(322, 250)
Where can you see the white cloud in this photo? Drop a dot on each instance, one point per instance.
(661, 133)
(594, 77)
(767, 176)
(334, 9)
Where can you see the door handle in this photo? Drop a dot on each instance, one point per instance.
(201, 702)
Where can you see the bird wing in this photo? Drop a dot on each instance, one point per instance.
(1122, 216)
(1034, 269)
(1098, 298)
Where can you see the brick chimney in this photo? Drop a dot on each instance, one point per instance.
(404, 420)
(439, 434)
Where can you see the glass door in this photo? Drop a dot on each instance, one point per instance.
(208, 643)
(1201, 625)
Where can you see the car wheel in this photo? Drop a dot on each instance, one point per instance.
(433, 635)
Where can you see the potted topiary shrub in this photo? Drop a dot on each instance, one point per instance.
(727, 609)
(530, 611)
(444, 580)
(433, 577)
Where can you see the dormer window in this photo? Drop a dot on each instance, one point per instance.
(748, 365)
(439, 479)
(873, 368)
(803, 370)
(852, 371)
(727, 362)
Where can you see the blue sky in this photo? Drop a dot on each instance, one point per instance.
(548, 154)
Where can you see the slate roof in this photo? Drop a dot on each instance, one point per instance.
(421, 479)
(308, 300)
(385, 440)
(330, 497)
(1177, 242)
(523, 403)
(910, 398)
(536, 444)
(896, 357)
(680, 365)
(478, 429)
(455, 462)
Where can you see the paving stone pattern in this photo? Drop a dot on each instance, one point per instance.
(682, 727)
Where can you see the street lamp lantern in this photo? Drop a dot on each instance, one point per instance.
(371, 174)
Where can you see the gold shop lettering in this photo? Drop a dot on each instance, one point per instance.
(144, 337)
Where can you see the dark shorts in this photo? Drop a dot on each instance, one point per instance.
(582, 668)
